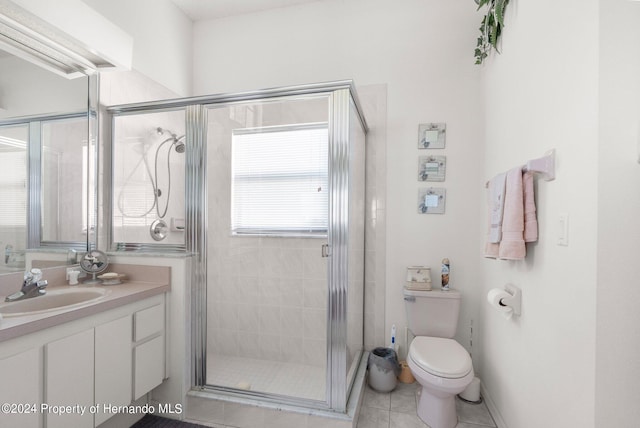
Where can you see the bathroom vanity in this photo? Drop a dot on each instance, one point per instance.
(79, 365)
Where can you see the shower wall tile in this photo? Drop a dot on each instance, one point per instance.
(292, 292)
(270, 346)
(315, 352)
(291, 322)
(315, 323)
(269, 290)
(247, 289)
(315, 266)
(248, 319)
(315, 293)
(269, 319)
(249, 345)
(292, 349)
(228, 316)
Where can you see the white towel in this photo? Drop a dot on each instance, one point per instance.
(496, 207)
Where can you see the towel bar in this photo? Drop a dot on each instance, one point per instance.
(545, 166)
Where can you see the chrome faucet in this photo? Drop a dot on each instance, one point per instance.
(32, 286)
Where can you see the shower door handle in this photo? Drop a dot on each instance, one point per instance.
(325, 250)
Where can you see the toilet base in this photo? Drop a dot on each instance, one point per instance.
(437, 411)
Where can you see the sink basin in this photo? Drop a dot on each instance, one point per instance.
(52, 301)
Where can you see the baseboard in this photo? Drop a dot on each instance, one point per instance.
(495, 414)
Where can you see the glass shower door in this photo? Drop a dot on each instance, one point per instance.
(356, 232)
(267, 193)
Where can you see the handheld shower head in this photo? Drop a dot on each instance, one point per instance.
(177, 141)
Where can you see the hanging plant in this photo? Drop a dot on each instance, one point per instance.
(490, 28)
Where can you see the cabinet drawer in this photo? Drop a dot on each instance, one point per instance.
(148, 322)
(149, 366)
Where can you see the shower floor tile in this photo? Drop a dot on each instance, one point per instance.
(274, 377)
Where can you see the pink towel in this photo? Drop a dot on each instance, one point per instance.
(512, 245)
(530, 221)
(519, 224)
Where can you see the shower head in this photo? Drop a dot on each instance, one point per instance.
(180, 147)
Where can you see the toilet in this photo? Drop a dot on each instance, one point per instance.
(440, 364)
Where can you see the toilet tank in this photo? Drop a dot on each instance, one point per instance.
(432, 313)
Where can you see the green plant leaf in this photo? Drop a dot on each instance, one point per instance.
(490, 28)
(500, 6)
(481, 3)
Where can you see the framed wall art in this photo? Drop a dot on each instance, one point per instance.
(431, 200)
(431, 168)
(432, 135)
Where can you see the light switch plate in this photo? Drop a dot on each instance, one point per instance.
(563, 229)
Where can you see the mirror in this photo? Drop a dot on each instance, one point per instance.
(46, 159)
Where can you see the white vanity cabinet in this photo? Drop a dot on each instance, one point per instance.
(148, 352)
(113, 365)
(69, 381)
(21, 378)
(106, 359)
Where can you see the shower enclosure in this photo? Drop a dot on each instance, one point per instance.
(274, 215)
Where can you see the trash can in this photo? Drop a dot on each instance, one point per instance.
(383, 369)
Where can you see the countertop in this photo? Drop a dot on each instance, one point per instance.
(117, 295)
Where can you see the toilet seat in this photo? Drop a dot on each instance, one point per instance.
(440, 357)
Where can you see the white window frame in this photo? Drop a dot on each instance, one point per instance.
(305, 175)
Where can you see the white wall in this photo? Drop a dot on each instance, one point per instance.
(162, 36)
(541, 93)
(618, 317)
(422, 51)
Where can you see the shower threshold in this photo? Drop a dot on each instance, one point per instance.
(210, 404)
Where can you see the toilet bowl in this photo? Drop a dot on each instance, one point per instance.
(443, 368)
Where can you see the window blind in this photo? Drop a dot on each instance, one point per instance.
(280, 180)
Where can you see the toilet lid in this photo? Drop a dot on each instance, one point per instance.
(440, 357)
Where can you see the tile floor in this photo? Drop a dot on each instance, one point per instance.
(397, 409)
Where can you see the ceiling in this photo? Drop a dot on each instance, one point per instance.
(199, 10)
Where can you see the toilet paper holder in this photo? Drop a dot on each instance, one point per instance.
(515, 301)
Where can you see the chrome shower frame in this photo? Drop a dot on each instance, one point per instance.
(341, 95)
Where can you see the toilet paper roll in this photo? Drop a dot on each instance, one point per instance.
(494, 296)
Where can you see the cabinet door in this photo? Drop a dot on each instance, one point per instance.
(149, 366)
(69, 380)
(21, 377)
(113, 365)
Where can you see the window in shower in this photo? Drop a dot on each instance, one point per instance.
(279, 180)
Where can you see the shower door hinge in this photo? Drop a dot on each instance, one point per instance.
(325, 250)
